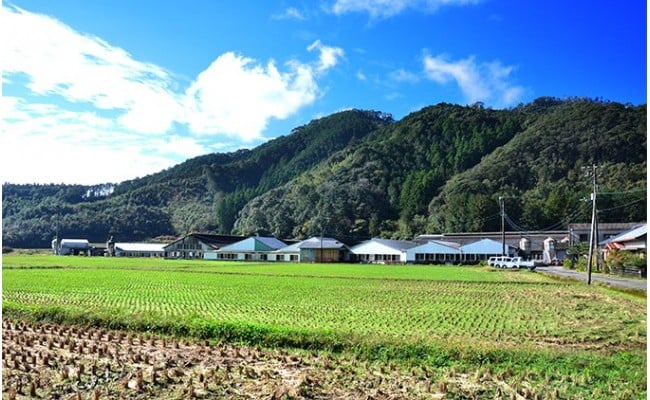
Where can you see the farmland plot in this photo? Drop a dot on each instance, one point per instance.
(447, 317)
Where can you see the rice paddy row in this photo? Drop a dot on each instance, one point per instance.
(441, 316)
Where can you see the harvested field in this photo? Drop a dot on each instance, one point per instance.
(52, 361)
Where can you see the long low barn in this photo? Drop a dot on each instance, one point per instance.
(139, 249)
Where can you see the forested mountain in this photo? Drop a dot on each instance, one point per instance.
(357, 174)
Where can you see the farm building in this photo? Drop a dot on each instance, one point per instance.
(634, 239)
(194, 245)
(484, 249)
(315, 249)
(71, 246)
(580, 232)
(527, 244)
(626, 252)
(288, 253)
(382, 251)
(435, 251)
(251, 249)
(139, 249)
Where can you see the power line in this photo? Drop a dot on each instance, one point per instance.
(575, 213)
(639, 190)
(621, 206)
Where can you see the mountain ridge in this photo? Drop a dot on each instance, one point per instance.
(360, 174)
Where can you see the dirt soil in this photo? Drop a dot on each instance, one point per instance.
(62, 362)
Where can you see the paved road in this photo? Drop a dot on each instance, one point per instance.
(616, 281)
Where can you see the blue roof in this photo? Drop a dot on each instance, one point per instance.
(255, 243)
(436, 247)
(485, 246)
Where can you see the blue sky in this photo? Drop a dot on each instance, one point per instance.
(104, 91)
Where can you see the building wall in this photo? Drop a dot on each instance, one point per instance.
(320, 255)
(189, 248)
(120, 253)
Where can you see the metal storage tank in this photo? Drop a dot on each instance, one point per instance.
(524, 244)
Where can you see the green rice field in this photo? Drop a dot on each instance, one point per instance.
(591, 340)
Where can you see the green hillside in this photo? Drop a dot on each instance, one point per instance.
(357, 174)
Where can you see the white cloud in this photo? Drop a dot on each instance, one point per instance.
(85, 69)
(237, 96)
(42, 143)
(379, 9)
(486, 82)
(290, 13)
(402, 75)
(329, 56)
(85, 93)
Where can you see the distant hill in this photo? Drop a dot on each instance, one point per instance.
(357, 174)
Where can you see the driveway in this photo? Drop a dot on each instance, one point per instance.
(611, 280)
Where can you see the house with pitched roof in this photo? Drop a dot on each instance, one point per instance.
(435, 252)
(256, 248)
(382, 251)
(484, 249)
(633, 239)
(315, 249)
(194, 245)
(626, 253)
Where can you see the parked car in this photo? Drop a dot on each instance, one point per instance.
(518, 262)
(498, 261)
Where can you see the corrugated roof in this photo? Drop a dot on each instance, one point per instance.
(381, 246)
(485, 246)
(215, 241)
(320, 243)
(141, 247)
(271, 242)
(436, 247)
(626, 236)
(255, 243)
(294, 248)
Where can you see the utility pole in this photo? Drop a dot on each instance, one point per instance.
(592, 233)
(503, 225)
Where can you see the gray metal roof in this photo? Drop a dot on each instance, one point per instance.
(321, 243)
(141, 247)
(631, 234)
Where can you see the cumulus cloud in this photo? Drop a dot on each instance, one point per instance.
(59, 145)
(84, 92)
(329, 56)
(485, 82)
(85, 69)
(237, 96)
(379, 9)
